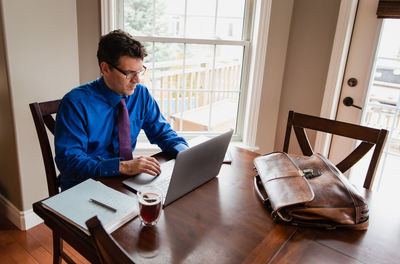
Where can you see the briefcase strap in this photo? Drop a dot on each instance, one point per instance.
(258, 187)
(276, 215)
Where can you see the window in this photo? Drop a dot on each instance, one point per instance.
(199, 58)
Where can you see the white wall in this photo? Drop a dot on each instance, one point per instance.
(42, 59)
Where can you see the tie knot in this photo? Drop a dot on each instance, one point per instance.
(122, 102)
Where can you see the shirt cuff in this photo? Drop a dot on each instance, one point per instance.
(179, 147)
(109, 167)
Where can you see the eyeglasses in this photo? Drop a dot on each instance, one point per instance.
(130, 74)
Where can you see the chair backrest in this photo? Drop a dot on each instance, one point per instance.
(369, 137)
(42, 116)
(108, 250)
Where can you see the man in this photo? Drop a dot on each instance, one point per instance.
(91, 120)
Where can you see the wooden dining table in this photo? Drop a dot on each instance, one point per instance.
(223, 221)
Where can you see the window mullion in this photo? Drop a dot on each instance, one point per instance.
(212, 87)
(215, 18)
(198, 90)
(183, 88)
(185, 20)
(183, 69)
(194, 41)
(247, 21)
(154, 18)
(153, 80)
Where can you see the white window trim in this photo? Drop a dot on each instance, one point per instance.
(192, 41)
(259, 38)
(253, 79)
(107, 16)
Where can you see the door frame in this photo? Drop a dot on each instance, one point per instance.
(336, 70)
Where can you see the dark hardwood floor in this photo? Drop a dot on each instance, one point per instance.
(32, 246)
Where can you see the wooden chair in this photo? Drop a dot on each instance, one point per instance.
(369, 137)
(42, 116)
(107, 248)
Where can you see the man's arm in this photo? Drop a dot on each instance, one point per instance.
(71, 147)
(159, 131)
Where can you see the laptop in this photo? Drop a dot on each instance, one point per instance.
(192, 168)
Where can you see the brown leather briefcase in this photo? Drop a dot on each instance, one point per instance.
(308, 191)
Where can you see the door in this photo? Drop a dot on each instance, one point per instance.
(372, 82)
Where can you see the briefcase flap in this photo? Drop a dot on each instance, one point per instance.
(309, 191)
(283, 181)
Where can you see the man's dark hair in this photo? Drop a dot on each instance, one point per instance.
(119, 43)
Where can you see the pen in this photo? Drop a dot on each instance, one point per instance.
(103, 205)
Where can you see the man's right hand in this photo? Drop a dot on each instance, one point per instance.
(138, 165)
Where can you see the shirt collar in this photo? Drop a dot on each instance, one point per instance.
(109, 95)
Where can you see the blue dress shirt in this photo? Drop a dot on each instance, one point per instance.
(86, 131)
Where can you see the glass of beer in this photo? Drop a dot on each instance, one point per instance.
(150, 204)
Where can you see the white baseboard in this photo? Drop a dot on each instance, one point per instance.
(24, 220)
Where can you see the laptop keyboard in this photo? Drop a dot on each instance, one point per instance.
(165, 176)
(162, 185)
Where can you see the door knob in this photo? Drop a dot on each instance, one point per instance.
(348, 101)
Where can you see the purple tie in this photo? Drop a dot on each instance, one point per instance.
(124, 132)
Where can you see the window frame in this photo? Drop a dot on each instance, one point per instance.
(255, 33)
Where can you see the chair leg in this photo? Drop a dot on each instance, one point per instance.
(58, 253)
(57, 248)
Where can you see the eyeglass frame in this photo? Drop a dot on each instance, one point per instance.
(135, 73)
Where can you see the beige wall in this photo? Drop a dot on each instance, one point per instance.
(278, 37)
(42, 60)
(311, 37)
(88, 12)
(10, 185)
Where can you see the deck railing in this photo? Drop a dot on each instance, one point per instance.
(198, 85)
(384, 112)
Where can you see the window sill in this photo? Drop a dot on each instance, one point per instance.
(147, 149)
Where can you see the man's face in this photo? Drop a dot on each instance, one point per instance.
(116, 80)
